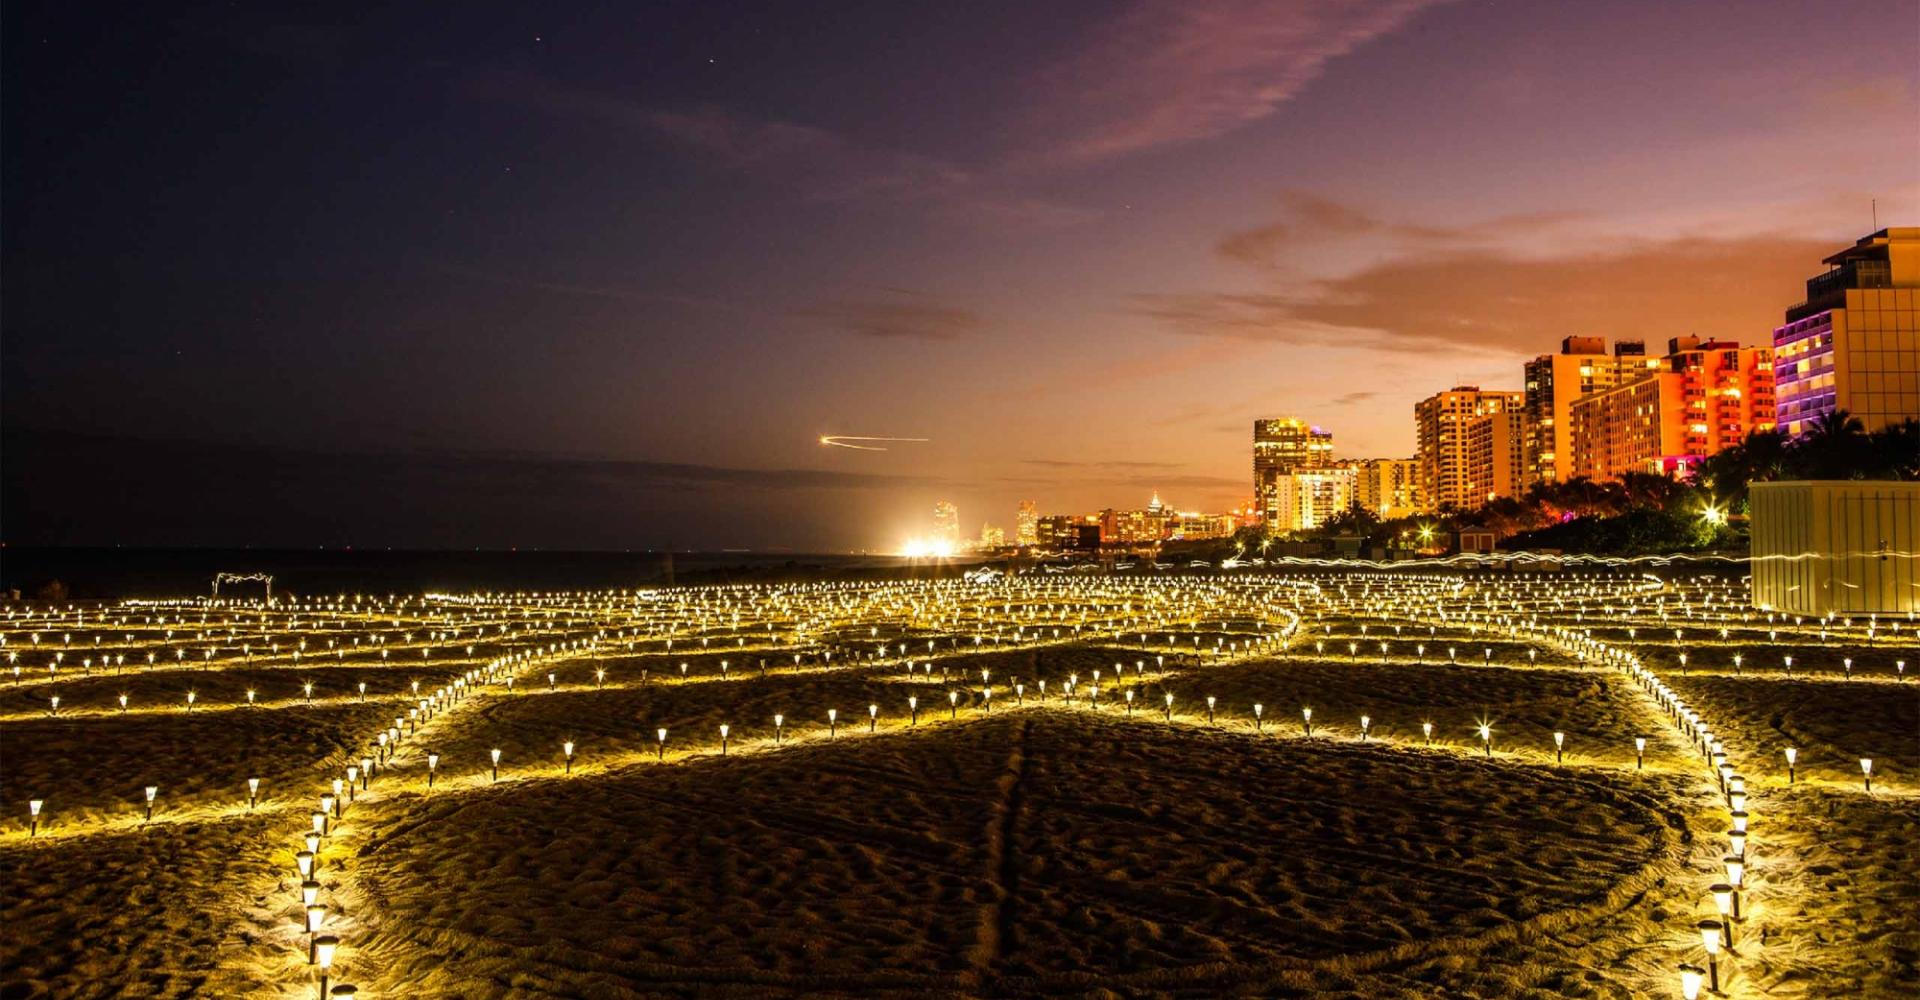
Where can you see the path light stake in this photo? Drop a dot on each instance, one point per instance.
(1723, 901)
(33, 817)
(873, 717)
(1257, 710)
(724, 730)
(1426, 730)
(323, 947)
(1866, 772)
(1210, 710)
(253, 792)
(1486, 738)
(1306, 720)
(433, 765)
(1736, 877)
(661, 735)
(1366, 727)
(316, 915)
(495, 754)
(303, 862)
(1710, 938)
(953, 705)
(1639, 753)
(1793, 754)
(152, 790)
(833, 722)
(1559, 747)
(567, 749)
(779, 721)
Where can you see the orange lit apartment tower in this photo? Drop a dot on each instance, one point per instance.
(1703, 398)
(1026, 524)
(946, 524)
(1459, 427)
(1304, 499)
(1554, 381)
(1496, 454)
(1279, 447)
(1389, 487)
(1854, 344)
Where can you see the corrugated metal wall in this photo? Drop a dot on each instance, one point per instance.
(1851, 547)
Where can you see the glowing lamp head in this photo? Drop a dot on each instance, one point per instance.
(1691, 979)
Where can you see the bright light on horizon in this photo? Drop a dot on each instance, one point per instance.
(927, 548)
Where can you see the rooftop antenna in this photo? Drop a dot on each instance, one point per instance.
(1875, 202)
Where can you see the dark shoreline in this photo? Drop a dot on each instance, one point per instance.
(108, 573)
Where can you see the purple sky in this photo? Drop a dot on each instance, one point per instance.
(638, 261)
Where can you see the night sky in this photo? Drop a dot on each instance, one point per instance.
(574, 275)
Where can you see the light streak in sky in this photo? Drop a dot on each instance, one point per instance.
(859, 443)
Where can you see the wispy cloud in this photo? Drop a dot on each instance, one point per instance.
(820, 163)
(1168, 73)
(903, 315)
(1471, 297)
(1311, 221)
(1058, 463)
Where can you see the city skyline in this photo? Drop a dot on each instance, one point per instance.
(622, 286)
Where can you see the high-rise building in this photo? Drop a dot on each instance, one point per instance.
(1389, 487)
(992, 537)
(1191, 525)
(946, 524)
(1854, 344)
(1554, 381)
(1496, 454)
(1055, 532)
(1026, 524)
(1705, 397)
(1305, 499)
(1153, 524)
(1448, 475)
(1280, 446)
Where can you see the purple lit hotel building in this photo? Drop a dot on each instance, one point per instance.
(1854, 344)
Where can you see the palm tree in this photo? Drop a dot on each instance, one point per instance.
(1834, 447)
(1762, 457)
(1896, 449)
